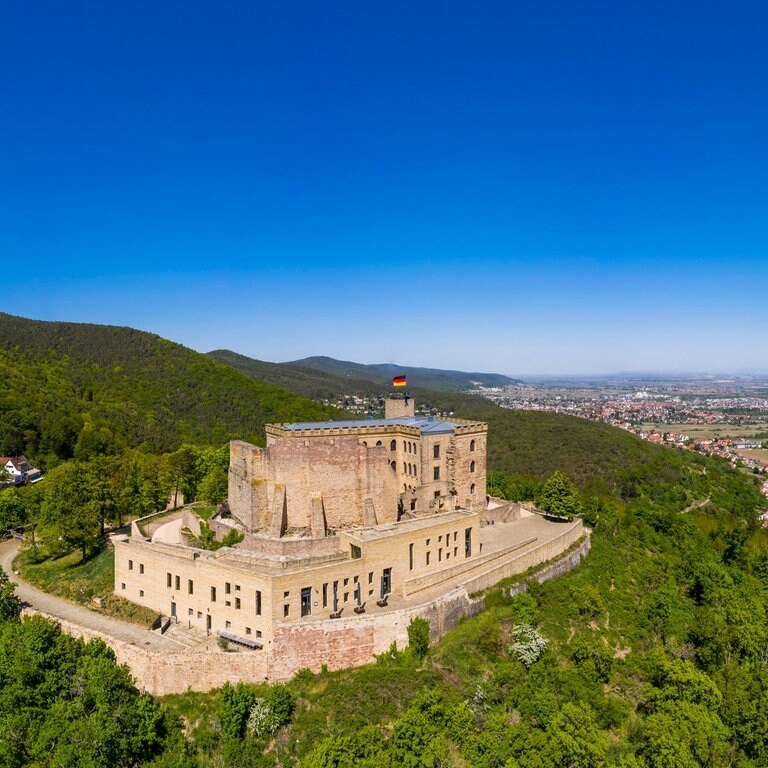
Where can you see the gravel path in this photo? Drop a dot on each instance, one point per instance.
(77, 614)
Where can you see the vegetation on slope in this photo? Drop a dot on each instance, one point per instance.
(307, 382)
(79, 390)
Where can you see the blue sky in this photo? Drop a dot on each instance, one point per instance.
(519, 187)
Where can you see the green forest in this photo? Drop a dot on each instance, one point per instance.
(653, 653)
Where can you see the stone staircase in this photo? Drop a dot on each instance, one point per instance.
(188, 638)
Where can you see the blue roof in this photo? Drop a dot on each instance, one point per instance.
(427, 424)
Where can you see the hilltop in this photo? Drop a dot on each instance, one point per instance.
(77, 389)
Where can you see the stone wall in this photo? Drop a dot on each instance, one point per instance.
(338, 643)
(533, 557)
(161, 674)
(342, 469)
(559, 567)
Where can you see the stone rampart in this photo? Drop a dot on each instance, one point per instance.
(338, 643)
(548, 550)
(164, 673)
(559, 567)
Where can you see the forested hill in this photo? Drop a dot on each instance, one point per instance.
(307, 382)
(382, 373)
(72, 389)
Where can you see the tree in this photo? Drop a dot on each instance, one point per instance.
(13, 511)
(527, 644)
(69, 515)
(10, 605)
(418, 636)
(559, 497)
(235, 705)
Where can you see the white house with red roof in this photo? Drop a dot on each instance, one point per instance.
(19, 470)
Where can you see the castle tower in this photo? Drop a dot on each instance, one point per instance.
(399, 404)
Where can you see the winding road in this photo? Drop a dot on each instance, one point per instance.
(59, 608)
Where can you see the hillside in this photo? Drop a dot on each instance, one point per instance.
(307, 382)
(72, 389)
(382, 373)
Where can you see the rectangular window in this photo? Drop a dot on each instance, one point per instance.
(122, 586)
(228, 624)
(346, 597)
(190, 587)
(440, 555)
(228, 603)
(286, 594)
(428, 553)
(306, 601)
(286, 610)
(436, 451)
(258, 602)
(227, 588)
(247, 630)
(168, 580)
(436, 473)
(130, 565)
(410, 557)
(468, 542)
(258, 633)
(237, 603)
(346, 581)
(370, 577)
(213, 594)
(386, 581)
(141, 593)
(325, 595)
(355, 552)
(141, 567)
(178, 583)
(237, 587)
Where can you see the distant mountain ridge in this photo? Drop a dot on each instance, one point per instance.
(382, 373)
(307, 382)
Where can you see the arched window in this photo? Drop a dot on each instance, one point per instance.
(394, 466)
(471, 445)
(365, 443)
(405, 446)
(410, 469)
(472, 489)
(393, 445)
(405, 468)
(472, 467)
(378, 443)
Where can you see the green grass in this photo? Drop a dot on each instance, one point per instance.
(68, 577)
(204, 511)
(80, 582)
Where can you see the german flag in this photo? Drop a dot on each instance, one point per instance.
(399, 381)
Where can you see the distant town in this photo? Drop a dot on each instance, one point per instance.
(718, 416)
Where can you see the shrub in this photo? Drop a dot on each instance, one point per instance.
(418, 637)
(528, 644)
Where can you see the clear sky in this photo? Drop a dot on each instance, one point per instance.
(538, 187)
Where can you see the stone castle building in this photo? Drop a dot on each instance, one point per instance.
(348, 528)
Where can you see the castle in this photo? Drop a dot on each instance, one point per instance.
(349, 528)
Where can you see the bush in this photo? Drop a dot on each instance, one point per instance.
(418, 637)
